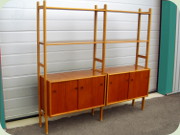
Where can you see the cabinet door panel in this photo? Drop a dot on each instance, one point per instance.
(63, 97)
(58, 98)
(71, 95)
(139, 82)
(118, 87)
(85, 91)
(98, 90)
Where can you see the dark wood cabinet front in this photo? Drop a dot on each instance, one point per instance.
(85, 90)
(98, 90)
(78, 94)
(139, 82)
(118, 87)
(91, 92)
(63, 97)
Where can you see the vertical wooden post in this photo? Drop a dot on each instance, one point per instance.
(95, 46)
(143, 102)
(138, 38)
(104, 38)
(133, 102)
(148, 37)
(92, 112)
(38, 66)
(101, 113)
(103, 50)
(45, 67)
(95, 38)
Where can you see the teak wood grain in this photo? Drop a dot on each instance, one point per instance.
(118, 87)
(98, 90)
(138, 85)
(73, 95)
(91, 92)
(63, 97)
(74, 75)
(123, 69)
(85, 97)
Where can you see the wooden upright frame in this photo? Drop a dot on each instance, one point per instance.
(104, 41)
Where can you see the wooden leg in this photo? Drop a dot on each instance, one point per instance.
(46, 124)
(92, 112)
(133, 102)
(143, 102)
(40, 118)
(101, 113)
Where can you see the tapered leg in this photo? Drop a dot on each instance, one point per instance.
(92, 112)
(143, 102)
(40, 118)
(46, 125)
(101, 113)
(133, 102)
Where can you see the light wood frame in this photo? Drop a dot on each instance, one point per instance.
(103, 41)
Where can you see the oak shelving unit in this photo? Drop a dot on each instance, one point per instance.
(75, 91)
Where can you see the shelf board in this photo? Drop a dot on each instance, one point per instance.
(93, 42)
(64, 8)
(71, 42)
(74, 75)
(124, 69)
(121, 11)
(125, 41)
(87, 9)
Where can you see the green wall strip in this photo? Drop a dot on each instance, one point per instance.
(2, 119)
(167, 47)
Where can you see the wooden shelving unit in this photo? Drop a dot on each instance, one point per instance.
(68, 92)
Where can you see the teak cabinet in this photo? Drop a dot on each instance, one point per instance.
(73, 94)
(127, 86)
(62, 93)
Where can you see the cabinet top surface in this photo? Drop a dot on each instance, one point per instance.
(124, 69)
(74, 75)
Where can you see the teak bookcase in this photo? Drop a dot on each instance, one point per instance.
(68, 92)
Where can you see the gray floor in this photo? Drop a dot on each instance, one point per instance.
(160, 117)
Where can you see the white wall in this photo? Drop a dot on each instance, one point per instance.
(176, 79)
(18, 44)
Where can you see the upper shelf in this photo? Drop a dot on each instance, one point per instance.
(94, 42)
(99, 10)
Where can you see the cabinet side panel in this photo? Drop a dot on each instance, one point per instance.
(42, 95)
(98, 90)
(42, 92)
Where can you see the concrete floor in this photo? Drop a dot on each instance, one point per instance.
(31, 121)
